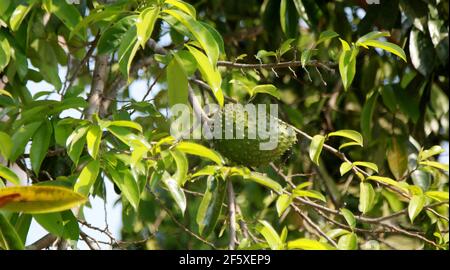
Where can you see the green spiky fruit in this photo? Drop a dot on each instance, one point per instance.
(247, 150)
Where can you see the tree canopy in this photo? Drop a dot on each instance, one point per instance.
(87, 87)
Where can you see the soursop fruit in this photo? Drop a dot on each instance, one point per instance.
(246, 144)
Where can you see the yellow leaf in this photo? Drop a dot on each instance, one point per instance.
(38, 199)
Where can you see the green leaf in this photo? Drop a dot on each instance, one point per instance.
(182, 166)
(211, 205)
(282, 203)
(87, 178)
(347, 66)
(308, 244)
(366, 197)
(207, 170)
(39, 147)
(285, 46)
(433, 151)
(9, 175)
(5, 57)
(199, 150)
(200, 33)
(177, 82)
(289, 18)
(348, 242)
(367, 115)
(124, 123)
(306, 57)
(75, 143)
(20, 139)
(266, 88)
(127, 50)
(349, 134)
(315, 148)
(349, 217)
(392, 198)
(145, 24)
(9, 238)
(435, 164)
(309, 193)
(93, 139)
(127, 184)
(38, 199)
(112, 37)
(348, 144)
(176, 192)
(263, 180)
(67, 13)
(271, 236)
(64, 224)
(387, 180)
(4, 92)
(183, 6)
(387, 46)
(397, 157)
(415, 206)
(19, 14)
(371, 36)
(438, 195)
(326, 35)
(369, 165)
(92, 18)
(209, 72)
(345, 167)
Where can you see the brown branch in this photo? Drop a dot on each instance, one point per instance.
(98, 85)
(45, 242)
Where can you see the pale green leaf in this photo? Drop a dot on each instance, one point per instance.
(369, 165)
(308, 244)
(326, 35)
(145, 23)
(309, 193)
(415, 206)
(7, 174)
(315, 148)
(366, 197)
(349, 217)
(282, 203)
(388, 181)
(348, 242)
(266, 88)
(435, 164)
(438, 195)
(435, 150)
(87, 178)
(387, 46)
(199, 150)
(182, 166)
(345, 167)
(263, 180)
(93, 139)
(271, 236)
(210, 73)
(349, 134)
(5, 145)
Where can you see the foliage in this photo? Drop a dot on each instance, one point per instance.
(364, 86)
